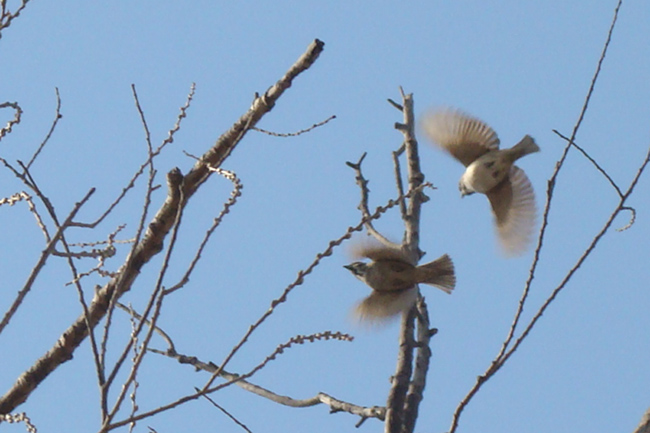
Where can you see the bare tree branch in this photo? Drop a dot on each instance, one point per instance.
(19, 417)
(152, 242)
(151, 152)
(15, 121)
(398, 178)
(234, 195)
(294, 134)
(40, 264)
(419, 377)
(219, 371)
(6, 17)
(400, 381)
(593, 161)
(55, 122)
(228, 414)
(399, 406)
(363, 206)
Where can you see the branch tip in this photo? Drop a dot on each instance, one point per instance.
(395, 104)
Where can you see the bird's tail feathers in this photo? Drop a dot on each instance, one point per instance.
(526, 146)
(439, 273)
(381, 306)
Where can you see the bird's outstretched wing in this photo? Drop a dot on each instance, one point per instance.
(463, 136)
(515, 212)
(377, 252)
(381, 306)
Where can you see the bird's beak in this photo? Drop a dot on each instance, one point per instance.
(464, 192)
(348, 267)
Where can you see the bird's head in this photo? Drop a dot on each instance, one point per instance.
(359, 269)
(464, 189)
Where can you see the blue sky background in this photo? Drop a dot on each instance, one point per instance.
(523, 67)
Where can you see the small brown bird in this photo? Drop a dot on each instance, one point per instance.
(490, 171)
(393, 279)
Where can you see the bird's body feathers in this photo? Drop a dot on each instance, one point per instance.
(394, 280)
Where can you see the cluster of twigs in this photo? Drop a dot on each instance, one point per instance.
(147, 242)
(7, 16)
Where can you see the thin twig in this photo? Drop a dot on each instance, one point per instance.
(228, 414)
(399, 107)
(631, 221)
(293, 134)
(236, 193)
(20, 196)
(19, 417)
(363, 205)
(152, 153)
(15, 121)
(7, 17)
(101, 254)
(136, 384)
(611, 181)
(158, 329)
(335, 405)
(593, 161)
(47, 252)
(219, 371)
(57, 116)
(398, 179)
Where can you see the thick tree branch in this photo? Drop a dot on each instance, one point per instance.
(401, 379)
(419, 377)
(152, 242)
(402, 409)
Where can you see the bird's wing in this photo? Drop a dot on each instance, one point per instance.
(513, 205)
(381, 306)
(460, 134)
(378, 252)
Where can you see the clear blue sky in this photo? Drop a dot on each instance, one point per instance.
(523, 67)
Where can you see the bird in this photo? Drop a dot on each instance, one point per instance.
(490, 171)
(394, 279)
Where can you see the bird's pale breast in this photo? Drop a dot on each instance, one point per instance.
(486, 172)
